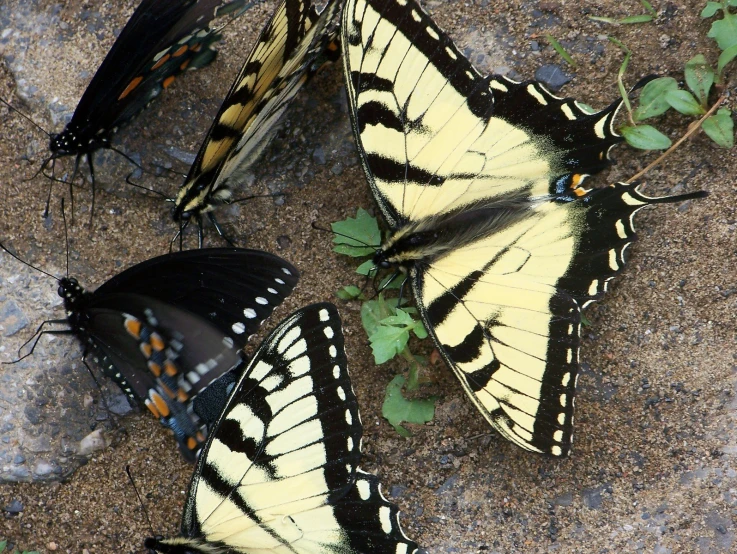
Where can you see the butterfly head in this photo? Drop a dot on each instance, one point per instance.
(72, 293)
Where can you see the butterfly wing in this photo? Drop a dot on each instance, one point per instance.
(235, 289)
(499, 164)
(159, 355)
(161, 39)
(289, 50)
(280, 471)
(436, 136)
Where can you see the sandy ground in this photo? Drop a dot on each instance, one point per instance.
(653, 465)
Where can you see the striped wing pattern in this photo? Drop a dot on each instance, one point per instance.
(485, 175)
(290, 49)
(280, 471)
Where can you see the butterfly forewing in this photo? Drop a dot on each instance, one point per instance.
(279, 472)
(437, 136)
(480, 180)
(235, 289)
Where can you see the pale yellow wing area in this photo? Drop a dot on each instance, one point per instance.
(506, 330)
(435, 135)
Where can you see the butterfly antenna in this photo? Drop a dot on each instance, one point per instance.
(274, 195)
(5, 248)
(236, 8)
(337, 234)
(24, 116)
(131, 183)
(66, 236)
(140, 500)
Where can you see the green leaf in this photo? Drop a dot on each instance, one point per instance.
(732, 3)
(372, 312)
(629, 20)
(419, 330)
(401, 318)
(649, 7)
(366, 267)
(683, 101)
(387, 341)
(359, 236)
(725, 57)
(585, 321)
(558, 47)
(699, 77)
(3, 546)
(645, 137)
(652, 98)
(720, 128)
(609, 20)
(349, 292)
(710, 9)
(724, 31)
(397, 409)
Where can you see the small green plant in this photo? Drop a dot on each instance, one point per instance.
(387, 324)
(631, 19)
(662, 94)
(4, 545)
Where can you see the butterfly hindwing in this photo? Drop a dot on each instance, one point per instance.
(480, 180)
(279, 472)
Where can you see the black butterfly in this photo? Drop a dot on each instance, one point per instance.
(162, 39)
(166, 328)
(280, 471)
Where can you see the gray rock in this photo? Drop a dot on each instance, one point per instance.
(552, 76)
(15, 507)
(12, 319)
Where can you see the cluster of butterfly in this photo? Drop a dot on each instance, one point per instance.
(480, 180)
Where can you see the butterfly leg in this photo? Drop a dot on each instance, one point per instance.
(92, 175)
(37, 335)
(219, 229)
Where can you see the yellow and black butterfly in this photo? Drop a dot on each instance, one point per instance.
(279, 474)
(291, 48)
(481, 182)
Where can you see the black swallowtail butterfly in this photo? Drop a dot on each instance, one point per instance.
(166, 328)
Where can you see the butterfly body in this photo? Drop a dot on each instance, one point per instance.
(481, 181)
(279, 473)
(165, 329)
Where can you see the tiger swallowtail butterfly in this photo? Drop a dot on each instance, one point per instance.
(481, 181)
